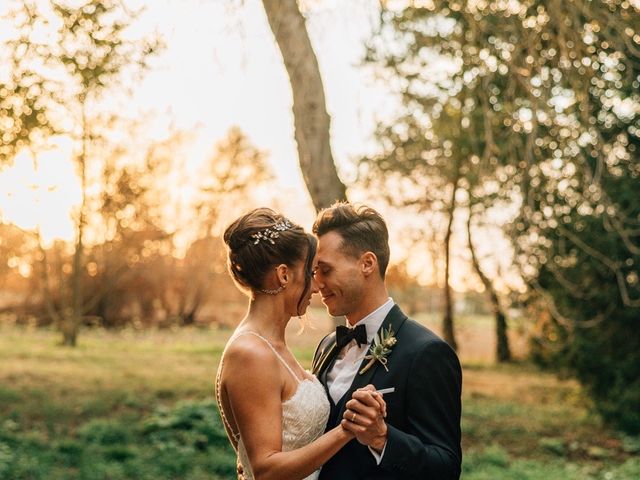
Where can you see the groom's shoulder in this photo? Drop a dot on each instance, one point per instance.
(420, 335)
(421, 331)
(422, 346)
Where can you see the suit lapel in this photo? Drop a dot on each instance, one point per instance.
(325, 357)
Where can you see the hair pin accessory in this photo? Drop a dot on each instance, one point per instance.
(271, 233)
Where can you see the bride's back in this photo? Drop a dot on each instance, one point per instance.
(304, 413)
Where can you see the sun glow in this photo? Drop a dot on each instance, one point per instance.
(40, 193)
(221, 67)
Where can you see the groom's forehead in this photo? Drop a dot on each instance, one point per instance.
(333, 251)
(330, 241)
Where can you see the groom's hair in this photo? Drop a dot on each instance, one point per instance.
(361, 227)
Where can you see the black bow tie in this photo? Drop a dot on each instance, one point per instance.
(345, 334)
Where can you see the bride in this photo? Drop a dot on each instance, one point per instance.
(273, 410)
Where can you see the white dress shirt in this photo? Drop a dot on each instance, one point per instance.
(345, 368)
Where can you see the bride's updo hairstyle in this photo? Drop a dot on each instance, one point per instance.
(262, 239)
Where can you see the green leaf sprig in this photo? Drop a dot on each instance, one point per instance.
(380, 350)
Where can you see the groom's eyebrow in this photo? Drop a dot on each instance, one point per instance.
(322, 264)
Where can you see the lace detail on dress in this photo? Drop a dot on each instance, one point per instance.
(304, 415)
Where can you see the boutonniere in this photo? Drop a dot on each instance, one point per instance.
(380, 350)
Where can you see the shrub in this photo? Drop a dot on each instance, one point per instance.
(104, 432)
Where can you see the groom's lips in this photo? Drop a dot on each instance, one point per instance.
(325, 297)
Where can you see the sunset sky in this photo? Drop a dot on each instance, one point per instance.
(222, 68)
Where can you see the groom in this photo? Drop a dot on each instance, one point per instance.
(420, 436)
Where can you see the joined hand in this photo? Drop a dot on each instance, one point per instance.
(364, 417)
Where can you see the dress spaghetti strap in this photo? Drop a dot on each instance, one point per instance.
(236, 436)
(274, 351)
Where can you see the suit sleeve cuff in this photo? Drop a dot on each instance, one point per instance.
(376, 455)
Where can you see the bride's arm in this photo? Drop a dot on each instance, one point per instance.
(254, 389)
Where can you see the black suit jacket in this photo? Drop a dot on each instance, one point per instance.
(423, 414)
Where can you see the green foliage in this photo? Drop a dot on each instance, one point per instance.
(104, 432)
(554, 445)
(129, 428)
(6, 459)
(628, 470)
(602, 343)
(494, 462)
(608, 362)
(194, 425)
(180, 442)
(539, 112)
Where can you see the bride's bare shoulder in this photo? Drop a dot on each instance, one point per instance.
(247, 350)
(250, 365)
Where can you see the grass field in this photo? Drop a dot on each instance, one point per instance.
(139, 405)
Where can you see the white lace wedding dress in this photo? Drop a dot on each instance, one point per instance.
(304, 415)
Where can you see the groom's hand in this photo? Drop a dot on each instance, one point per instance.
(364, 417)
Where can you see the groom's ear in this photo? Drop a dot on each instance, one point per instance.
(369, 263)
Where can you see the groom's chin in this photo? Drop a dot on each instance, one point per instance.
(332, 307)
(334, 312)
(328, 309)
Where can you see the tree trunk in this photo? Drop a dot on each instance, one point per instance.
(45, 289)
(447, 322)
(69, 326)
(503, 352)
(188, 315)
(72, 320)
(312, 122)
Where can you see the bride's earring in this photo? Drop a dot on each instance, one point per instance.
(276, 291)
